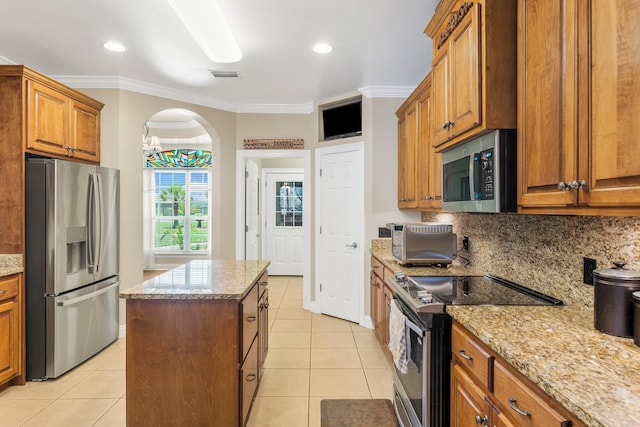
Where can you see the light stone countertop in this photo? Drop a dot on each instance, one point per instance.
(201, 279)
(10, 264)
(594, 375)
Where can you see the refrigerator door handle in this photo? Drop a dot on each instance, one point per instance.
(94, 235)
(99, 226)
(77, 300)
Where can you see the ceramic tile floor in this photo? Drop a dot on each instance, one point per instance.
(311, 357)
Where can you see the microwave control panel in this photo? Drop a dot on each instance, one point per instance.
(484, 175)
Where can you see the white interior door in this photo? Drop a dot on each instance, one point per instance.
(252, 211)
(284, 237)
(340, 255)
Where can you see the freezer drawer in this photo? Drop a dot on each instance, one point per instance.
(80, 324)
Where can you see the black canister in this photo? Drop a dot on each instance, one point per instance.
(635, 297)
(613, 308)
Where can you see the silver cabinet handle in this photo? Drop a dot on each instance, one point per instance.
(572, 185)
(583, 184)
(251, 377)
(512, 404)
(251, 319)
(3, 291)
(464, 355)
(353, 245)
(562, 186)
(482, 420)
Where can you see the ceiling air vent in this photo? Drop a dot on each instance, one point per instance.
(217, 74)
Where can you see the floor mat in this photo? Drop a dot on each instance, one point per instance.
(357, 413)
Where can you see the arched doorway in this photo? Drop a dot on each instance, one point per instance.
(177, 158)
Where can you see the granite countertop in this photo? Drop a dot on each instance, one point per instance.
(594, 375)
(10, 264)
(201, 279)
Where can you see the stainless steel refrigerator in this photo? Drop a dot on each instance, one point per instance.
(71, 264)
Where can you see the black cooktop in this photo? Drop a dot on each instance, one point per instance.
(470, 290)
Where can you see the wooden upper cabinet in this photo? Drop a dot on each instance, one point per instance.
(473, 68)
(429, 163)
(60, 122)
(48, 120)
(407, 159)
(612, 168)
(419, 167)
(579, 93)
(547, 124)
(459, 91)
(85, 131)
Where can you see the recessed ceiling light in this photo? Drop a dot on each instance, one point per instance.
(322, 48)
(114, 47)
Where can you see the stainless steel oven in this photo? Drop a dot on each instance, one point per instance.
(418, 392)
(421, 382)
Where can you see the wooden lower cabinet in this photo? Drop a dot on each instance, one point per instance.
(192, 362)
(380, 302)
(487, 391)
(10, 328)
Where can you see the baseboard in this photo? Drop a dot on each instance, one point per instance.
(368, 323)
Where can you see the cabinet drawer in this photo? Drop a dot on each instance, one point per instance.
(9, 286)
(521, 403)
(377, 267)
(249, 380)
(263, 281)
(249, 308)
(471, 355)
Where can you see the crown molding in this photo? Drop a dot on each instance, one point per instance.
(138, 86)
(386, 91)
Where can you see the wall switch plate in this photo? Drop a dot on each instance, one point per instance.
(589, 264)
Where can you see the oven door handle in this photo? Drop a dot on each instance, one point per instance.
(417, 329)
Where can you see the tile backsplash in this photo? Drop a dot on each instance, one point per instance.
(545, 252)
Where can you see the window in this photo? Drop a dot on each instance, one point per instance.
(181, 201)
(181, 220)
(288, 204)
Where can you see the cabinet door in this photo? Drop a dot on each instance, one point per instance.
(467, 401)
(263, 328)
(407, 161)
(440, 95)
(612, 170)
(9, 340)
(465, 90)
(547, 117)
(249, 380)
(85, 132)
(429, 166)
(386, 310)
(47, 120)
(249, 309)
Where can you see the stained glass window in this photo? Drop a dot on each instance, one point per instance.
(182, 200)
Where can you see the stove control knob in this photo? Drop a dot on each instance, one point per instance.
(426, 299)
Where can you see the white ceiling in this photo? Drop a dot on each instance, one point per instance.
(379, 48)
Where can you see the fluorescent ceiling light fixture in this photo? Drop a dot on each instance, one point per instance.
(322, 48)
(209, 28)
(114, 47)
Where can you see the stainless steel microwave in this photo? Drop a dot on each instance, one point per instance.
(480, 175)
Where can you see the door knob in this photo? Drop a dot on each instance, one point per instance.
(353, 245)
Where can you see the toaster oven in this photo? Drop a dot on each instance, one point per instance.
(423, 243)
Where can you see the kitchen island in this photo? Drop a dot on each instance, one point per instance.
(196, 336)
